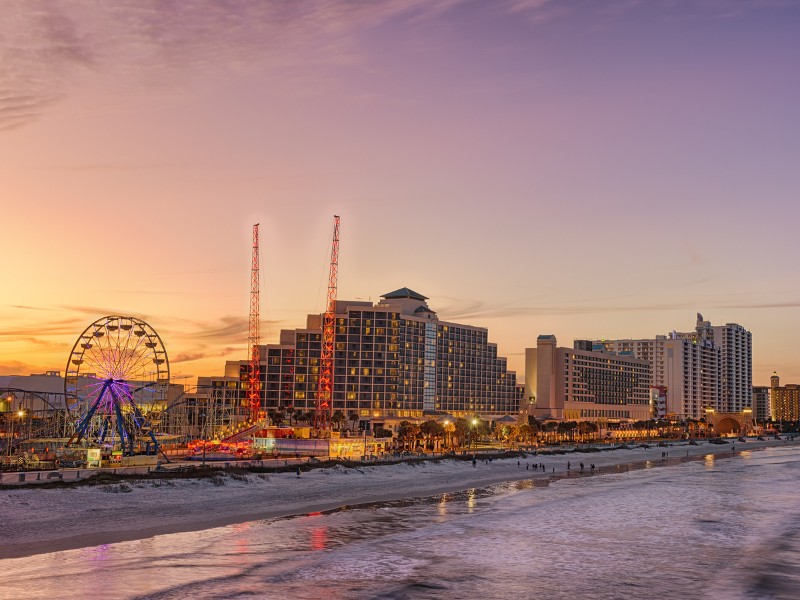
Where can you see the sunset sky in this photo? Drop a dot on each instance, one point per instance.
(585, 168)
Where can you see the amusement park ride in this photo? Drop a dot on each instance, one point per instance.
(118, 371)
(116, 393)
(254, 390)
(325, 388)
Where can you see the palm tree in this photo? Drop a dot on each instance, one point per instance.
(431, 432)
(462, 430)
(526, 431)
(449, 429)
(535, 425)
(549, 427)
(567, 428)
(290, 411)
(305, 417)
(337, 418)
(354, 418)
(587, 427)
(408, 432)
(513, 433)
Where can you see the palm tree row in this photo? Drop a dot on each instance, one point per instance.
(278, 417)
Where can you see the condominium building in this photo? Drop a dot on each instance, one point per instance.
(393, 359)
(784, 400)
(736, 350)
(761, 408)
(689, 369)
(581, 384)
(710, 367)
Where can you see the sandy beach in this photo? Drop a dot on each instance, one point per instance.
(39, 520)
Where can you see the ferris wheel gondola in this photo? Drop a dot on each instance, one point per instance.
(117, 374)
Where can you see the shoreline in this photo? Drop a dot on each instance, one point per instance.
(37, 521)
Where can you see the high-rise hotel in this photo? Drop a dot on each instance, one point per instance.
(710, 367)
(395, 359)
(585, 383)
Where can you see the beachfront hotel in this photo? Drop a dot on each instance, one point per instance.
(688, 369)
(710, 367)
(784, 400)
(392, 360)
(585, 383)
(736, 356)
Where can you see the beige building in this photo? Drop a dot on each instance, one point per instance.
(784, 400)
(585, 385)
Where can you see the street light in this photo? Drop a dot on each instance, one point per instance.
(10, 440)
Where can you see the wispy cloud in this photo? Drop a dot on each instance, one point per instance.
(184, 357)
(23, 331)
(25, 307)
(46, 48)
(482, 310)
(15, 367)
(98, 312)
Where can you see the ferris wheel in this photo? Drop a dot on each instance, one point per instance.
(118, 373)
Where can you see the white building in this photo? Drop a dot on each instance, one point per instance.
(736, 347)
(688, 365)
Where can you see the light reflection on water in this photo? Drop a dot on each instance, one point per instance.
(722, 529)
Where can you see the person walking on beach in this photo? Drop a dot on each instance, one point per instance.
(568, 464)
(581, 466)
(298, 470)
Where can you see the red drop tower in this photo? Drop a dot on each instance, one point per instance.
(322, 419)
(254, 390)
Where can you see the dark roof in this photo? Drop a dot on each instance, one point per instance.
(506, 419)
(404, 293)
(422, 309)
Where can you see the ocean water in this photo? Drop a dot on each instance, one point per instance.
(721, 528)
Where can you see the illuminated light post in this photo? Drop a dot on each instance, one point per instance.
(20, 414)
(9, 436)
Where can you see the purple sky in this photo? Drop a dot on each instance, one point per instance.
(583, 168)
